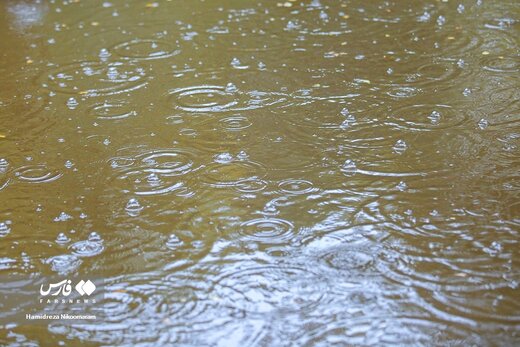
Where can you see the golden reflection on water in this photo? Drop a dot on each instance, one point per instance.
(304, 173)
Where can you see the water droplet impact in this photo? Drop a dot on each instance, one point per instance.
(402, 186)
(94, 237)
(435, 117)
(349, 167)
(72, 103)
(62, 239)
(4, 228)
(483, 124)
(230, 88)
(174, 242)
(133, 207)
(466, 92)
(87, 248)
(223, 158)
(63, 217)
(400, 147)
(69, 164)
(64, 264)
(104, 54)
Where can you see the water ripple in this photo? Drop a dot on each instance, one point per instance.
(267, 230)
(36, 174)
(95, 78)
(145, 49)
(214, 98)
(270, 289)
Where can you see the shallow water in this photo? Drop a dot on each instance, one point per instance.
(242, 173)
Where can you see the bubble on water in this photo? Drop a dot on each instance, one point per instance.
(133, 207)
(235, 62)
(230, 88)
(402, 186)
(223, 158)
(461, 63)
(400, 147)
(4, 164)
(261, 66)
(63, 217)
(292, 26)
(72, 103)
(104, 54)
(345, 112)
(425, 17)
(466, 92)
(4, 228)
(389, 71)
(106, 142)
(441, 20)
(112, 73)
(435, 117)
(349, 167)
(242, 155)
(174, 242)
(324, 16)
(69, 164)
(94, 237)
(483, 124)
(62, 239)
(153, 179)
(460, 8)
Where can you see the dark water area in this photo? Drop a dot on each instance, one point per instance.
(262, 173)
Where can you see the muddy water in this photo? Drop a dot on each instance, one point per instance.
(242, 173)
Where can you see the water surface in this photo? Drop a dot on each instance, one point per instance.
(244, 173)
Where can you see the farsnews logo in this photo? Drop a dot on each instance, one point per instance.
(65, 288)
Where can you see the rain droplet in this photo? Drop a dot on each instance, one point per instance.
(435, 117)
(223, 158)
(231, 88)
(400, 147)
(242, 155)
(349, 167)
(402, 186)
(94, 237)
(466, 92)
(345, 112)
(72, 103)
(153, 179)
(4, 228)
(104, 54)
(133, 207)
(69, 164)
(63, 217)
(235, 62)
(483, 124)
(62, 239)
(174, 242)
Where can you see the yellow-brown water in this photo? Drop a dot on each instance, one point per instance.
(243, 173)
